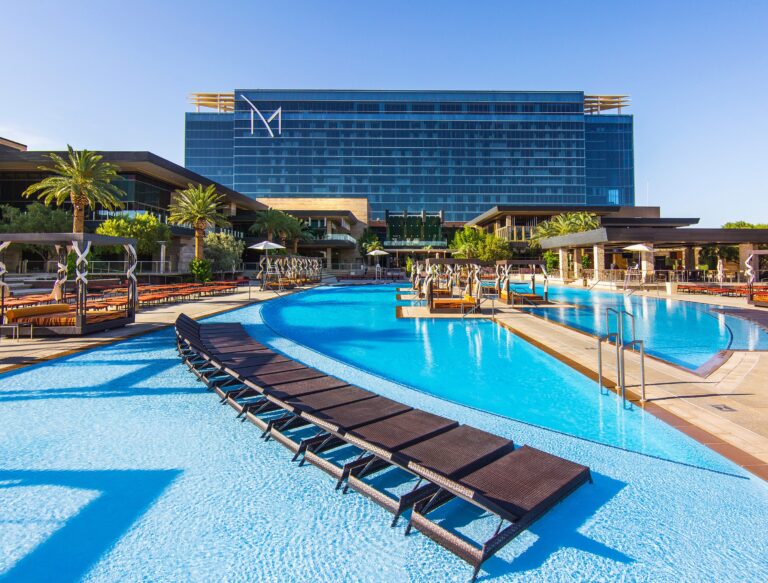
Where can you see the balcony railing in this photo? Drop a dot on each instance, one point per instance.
(339, 237)
(515, 233)
(119, 267)
(415, 243)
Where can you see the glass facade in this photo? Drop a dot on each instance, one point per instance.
(451, 151)
(142, 194)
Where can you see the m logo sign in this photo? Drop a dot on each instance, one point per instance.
(266, 121)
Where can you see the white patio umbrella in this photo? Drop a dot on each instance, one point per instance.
(377, 253)
(266, 246)
(638, 247)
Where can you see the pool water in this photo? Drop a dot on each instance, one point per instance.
(473, 362)
(683, 333)
(117, 465)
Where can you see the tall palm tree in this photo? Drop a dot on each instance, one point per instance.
(198, 207)
(83, 179)
(270, 221)
(300, 232)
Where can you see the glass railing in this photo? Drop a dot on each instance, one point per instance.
(339, 237)
(120, 267)
(414, 243)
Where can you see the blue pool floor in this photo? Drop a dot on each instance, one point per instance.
(115, 465)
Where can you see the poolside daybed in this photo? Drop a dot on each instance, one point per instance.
(449, 460)
(79, 318)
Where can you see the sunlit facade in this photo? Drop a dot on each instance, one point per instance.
(459, 152)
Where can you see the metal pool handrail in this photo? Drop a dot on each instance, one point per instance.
(618, 338)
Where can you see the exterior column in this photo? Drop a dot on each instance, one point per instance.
(329, 257)
(508, 221)
(598, 260)
(186, 253)
(577, 263)
(689, 260)
(563, 257)
(646, 263)
(162, 256)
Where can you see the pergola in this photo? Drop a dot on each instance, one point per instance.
(655, 238)
(81, 244)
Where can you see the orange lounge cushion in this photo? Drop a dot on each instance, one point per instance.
(453, 302)
(19, 314)
(69, 319)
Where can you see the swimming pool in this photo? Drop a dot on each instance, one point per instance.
(116, 465)
(683, 333)
(473, 362)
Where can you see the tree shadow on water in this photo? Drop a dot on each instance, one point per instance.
(72, 550)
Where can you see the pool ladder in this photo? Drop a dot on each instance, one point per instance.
(617, 336)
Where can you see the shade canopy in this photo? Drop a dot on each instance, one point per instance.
(266, 245)
(638, 247)
(378, 252)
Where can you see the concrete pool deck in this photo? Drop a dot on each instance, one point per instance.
(27, 351)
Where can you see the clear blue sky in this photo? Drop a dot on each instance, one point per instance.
(116, 75)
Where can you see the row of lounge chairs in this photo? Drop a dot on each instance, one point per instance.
(319, 417)
(115, 296)
(44, 310)
(718, 290)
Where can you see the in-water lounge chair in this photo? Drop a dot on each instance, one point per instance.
(457, 450)
(518, 487)
(451, 461)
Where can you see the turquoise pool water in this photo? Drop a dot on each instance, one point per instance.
(473, 362)
(116, 465)
(684, 333)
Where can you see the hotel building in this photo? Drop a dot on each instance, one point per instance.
(453, 153)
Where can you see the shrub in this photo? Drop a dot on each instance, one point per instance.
(201, 270)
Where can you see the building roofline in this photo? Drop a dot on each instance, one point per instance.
(542, 209)
(142, 162)
(663, 237)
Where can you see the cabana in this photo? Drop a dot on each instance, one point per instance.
(504, 278)
(59, 317)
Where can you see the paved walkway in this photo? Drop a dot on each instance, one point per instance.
(15, 354)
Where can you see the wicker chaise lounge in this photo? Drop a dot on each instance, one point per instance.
(448, 460)
(452, 453)
(518, 487)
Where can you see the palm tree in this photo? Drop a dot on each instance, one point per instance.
(198, 207)
(300, 232)
(566, 223)
(374, 246)
(270, 221)
(84, 180)
(582, 221)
